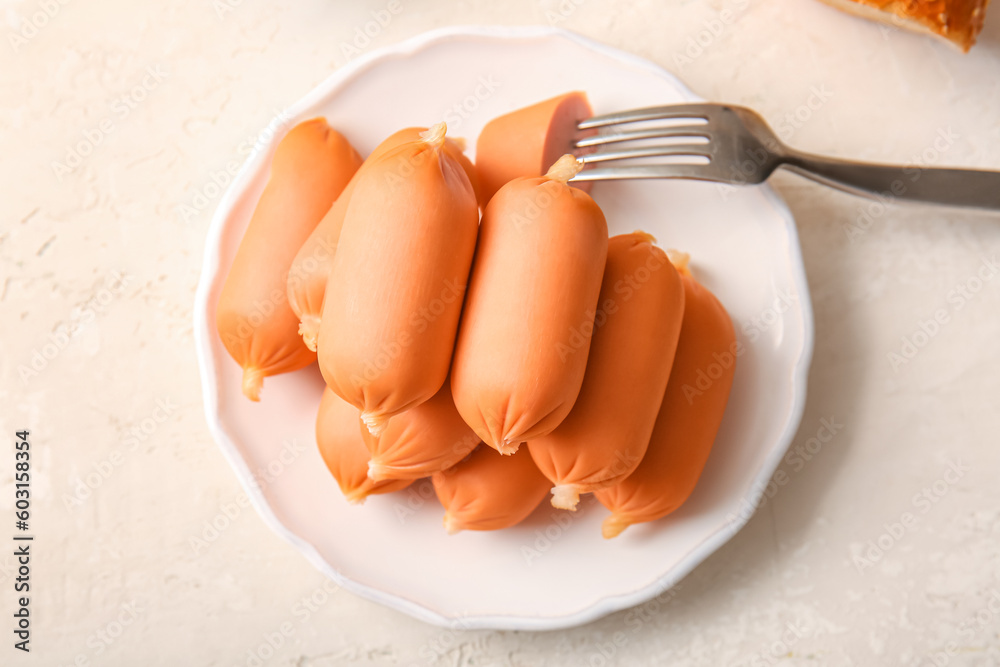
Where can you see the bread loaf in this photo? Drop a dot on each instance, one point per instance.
(958, 21)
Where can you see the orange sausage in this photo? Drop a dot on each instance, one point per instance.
(395, 291)
(421, 441)
(310, 270)
(522, 347)
(338, 434)
(638, 321)
(526, 142)
(312, 164)
(488, 491)
(689, 417)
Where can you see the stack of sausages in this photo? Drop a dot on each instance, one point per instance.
(508, 357)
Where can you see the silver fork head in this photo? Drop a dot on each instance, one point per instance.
(740, 147)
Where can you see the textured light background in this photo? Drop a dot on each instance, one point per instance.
(789, 589)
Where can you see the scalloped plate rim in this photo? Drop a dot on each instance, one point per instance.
(203, 331)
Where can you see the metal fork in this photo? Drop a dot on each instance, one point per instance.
(743, 150)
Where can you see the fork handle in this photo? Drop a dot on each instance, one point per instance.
(951, 187)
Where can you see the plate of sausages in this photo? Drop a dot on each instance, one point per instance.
(465, 385)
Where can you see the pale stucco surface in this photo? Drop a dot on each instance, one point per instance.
(99, 261)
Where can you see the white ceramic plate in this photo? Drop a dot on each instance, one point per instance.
(554, 570)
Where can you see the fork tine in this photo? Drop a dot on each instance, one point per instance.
(648, 133)
(697, 150)
(692, 171)
(649, 113)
